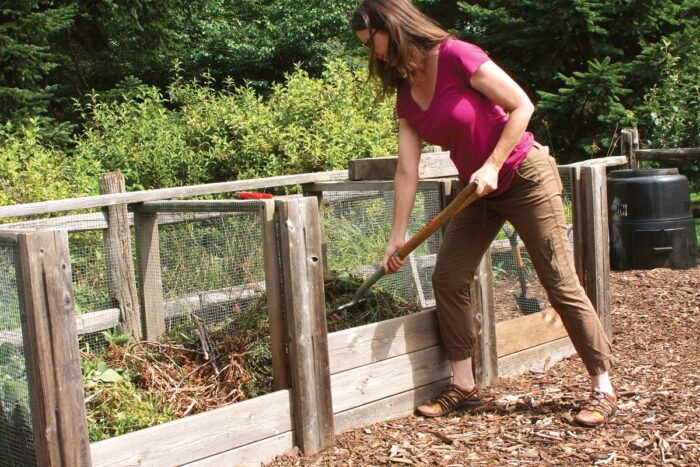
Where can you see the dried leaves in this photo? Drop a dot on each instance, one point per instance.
(527, 420)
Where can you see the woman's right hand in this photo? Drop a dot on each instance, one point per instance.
(392, 263)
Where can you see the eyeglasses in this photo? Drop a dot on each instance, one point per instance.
(370, 40)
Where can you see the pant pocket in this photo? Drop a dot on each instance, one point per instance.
(528, 171)
(552, 252)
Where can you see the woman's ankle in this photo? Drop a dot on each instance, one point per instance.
(602, 383)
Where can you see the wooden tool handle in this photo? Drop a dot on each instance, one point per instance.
(465, 197)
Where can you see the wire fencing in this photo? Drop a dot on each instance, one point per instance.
(16, 438)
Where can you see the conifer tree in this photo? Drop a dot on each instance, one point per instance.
(26, 58)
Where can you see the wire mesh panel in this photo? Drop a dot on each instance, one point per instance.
(215, 347)
(16, 440)
(357, 226)
(517, 290)
(212, 268)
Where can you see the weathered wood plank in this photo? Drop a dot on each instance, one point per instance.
(629, 145)
(578, 210)
(150, 281)
(101, 320)
(371, 343)
(305, 310)
(88, 202)
(98, 221)
(367, 185)
(538, 358)
(675, 154)
(199, 436)
(431, 165)
(273, 295)
(399, 405)
(86, 323)
(529, 331)
(252, 454)
(51, 350)
(486, 360)
(597, 243)
(370, 383)
(121, 274)
(611, 161)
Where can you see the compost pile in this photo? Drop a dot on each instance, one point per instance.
(527, 419)
(197, 367)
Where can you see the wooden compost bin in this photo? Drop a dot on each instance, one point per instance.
(338, 381)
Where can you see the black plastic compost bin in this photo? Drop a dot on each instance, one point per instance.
(651, 223)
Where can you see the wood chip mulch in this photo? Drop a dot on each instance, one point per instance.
(527, 419)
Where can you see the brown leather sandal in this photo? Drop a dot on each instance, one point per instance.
(601, 407)
(451, 398)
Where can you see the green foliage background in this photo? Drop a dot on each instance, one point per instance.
(173, 92)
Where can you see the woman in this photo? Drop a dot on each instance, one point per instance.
(451, 94)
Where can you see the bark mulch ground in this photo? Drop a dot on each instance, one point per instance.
(527, 419)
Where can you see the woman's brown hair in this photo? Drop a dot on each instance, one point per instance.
(410, 32)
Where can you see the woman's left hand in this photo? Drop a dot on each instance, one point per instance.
(487, 176)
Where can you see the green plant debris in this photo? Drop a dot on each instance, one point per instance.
(379, 305)
(195, 367)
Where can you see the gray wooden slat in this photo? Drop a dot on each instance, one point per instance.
(273, 296)
(150, 280)
(88, 202)
(367, 185)
(306, 323)
(528, 331)
(538, 358)
(253, 454)
(370, 383)
(678, 154)
(121, 274)
(399, 405)
(371, 343)
(597, 257)
(199, 436)
(431, 165)
(51, 348)
(486, 361)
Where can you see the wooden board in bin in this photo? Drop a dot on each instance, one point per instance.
(432, 165)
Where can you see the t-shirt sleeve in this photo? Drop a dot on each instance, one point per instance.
(467, 57)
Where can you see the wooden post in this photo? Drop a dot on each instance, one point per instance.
(273, 293)
(629, 145)
(578, 222)
(305, 309)
(596, 242)
(324, 241)
(120, 262)
(151, 283)
(50, 338)
(485, 358)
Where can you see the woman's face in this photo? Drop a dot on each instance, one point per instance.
(376, 41)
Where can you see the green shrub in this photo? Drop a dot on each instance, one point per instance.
(32, 170)
(142, 138)
(196, 134)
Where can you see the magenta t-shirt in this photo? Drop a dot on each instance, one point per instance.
(460, 118)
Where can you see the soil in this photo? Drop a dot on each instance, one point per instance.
(527, 420)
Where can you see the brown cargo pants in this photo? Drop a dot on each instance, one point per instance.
(534, 206)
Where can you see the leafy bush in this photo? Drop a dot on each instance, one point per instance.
(141, 138)
(670, 115)
(197, 134)
(32, 170)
